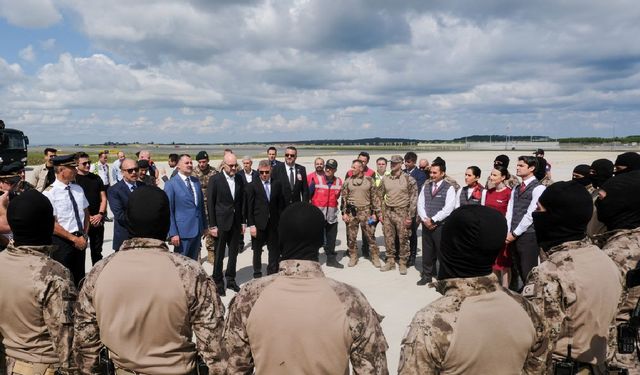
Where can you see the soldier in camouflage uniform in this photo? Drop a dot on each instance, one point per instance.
(145, 303)
(36, 293)
(449, 336)
(576, 288)
(400, 192)
(203, 172)
(298, 321)
(360, 203)
(619, 209)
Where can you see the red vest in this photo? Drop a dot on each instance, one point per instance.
(325, 197)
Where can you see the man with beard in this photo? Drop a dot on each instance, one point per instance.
(627, 162)
(44, 175)
(619, 209)
(447, 336)
(576, 288)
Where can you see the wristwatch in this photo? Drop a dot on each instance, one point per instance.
(102, 213)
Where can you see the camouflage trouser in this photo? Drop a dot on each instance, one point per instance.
(360, 221)
(393, 224)
(210, 244)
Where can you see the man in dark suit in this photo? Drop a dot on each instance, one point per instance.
(411, 168)
(264, 203)
(118, 197)
(225, 198)
(293, 178)
(186, 204)
(272, 153)
(248, 174)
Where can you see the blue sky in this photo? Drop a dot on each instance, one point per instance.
(73, 71)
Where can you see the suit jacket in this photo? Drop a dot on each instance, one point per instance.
(225, 210)
(188, 219)
(118, 197)
(254, 175)
(300, 191)
(261, 211)
(419, 176)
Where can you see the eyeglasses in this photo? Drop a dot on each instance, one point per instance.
(86, 163)
(265, 172)
(131, 170)
(290, 155)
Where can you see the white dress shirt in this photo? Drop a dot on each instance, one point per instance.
(116, 173)
(248, 176)
(188, 183)
(449, 205)
(527, 219)
(103, 171)
(231, 181)
(62, 206)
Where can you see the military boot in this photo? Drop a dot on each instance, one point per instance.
(403, 267)
(390, 265)
(375, 259)
(353, 260)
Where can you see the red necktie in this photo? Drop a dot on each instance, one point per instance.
(435, 189)
(523, 187)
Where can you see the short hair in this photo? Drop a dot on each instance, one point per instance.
(292, 148)
(443, 167)
(318, 158)
(503, 171)
(358, 161)
(530, 161)
(173, 157)
(246, 157)
(184, 156)
(476, 171)
(272, 148)
(365, 154)
(411, 156)
(228, 151)
(101, 153)
(264, 163)
(82, 154)
(383, 159)
(50, 149)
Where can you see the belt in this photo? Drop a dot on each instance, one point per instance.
(122, 371)
(363, 208)
(28, 368)
(78, 233)
(397, 208)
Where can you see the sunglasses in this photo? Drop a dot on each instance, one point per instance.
(86, 163)
(265, 172)
(131, 170)
(290, 155)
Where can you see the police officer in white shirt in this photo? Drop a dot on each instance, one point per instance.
(71, 210)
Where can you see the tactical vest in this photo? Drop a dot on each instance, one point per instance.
(521, 203)
(433, 203)
(326, 198)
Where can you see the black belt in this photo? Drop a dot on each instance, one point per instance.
(78, 233)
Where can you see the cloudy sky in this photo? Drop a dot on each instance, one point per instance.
(244, 70)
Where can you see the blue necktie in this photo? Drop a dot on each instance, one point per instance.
(75, 210)
(267, 190)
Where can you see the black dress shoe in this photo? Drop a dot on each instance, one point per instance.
(221, 291)
(233, 286)
(424, 280)
(257, 275)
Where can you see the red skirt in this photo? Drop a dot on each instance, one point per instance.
(503, 261)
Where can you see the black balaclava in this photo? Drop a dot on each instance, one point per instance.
(472, 237)
(630, 160)
(568, 210)
(541, 169)
(583, 170)
(602, 171)
(620, 209)
(504, 159)
(148, 213)
(30, 216)
(301, 231)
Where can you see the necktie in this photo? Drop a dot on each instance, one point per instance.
(186, 180)
(523, 187)
(291, 180)
(133, 187)
(75, 209)
(267, 190)
(435, 189)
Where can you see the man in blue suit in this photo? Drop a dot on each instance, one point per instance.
(118, 197)
(186, 204)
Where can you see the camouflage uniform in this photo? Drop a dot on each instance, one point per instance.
(361, 194)
(558, 291)
(54, 293)
(451, 182)
(623, 247)
(394, 215)
(204, 315)
(203, 176)
(365, 342)
(429, 347)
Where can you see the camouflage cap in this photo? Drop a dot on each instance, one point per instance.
(202, 155)
(396, 159)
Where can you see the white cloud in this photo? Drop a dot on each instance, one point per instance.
(30, 13)
(27, 53)
(48, 44)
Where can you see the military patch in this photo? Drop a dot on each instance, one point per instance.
(529, 290)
